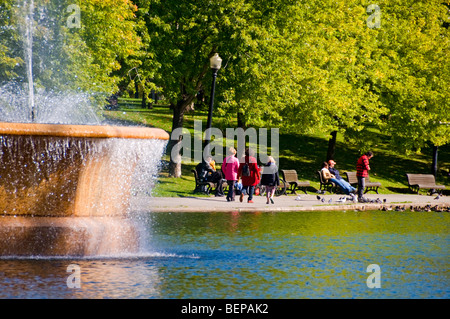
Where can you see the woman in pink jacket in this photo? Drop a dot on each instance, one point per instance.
(230, 169)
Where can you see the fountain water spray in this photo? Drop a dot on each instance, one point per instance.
(28, 50)
(65, 187)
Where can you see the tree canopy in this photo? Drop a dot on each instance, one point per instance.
(306, 66)
(67, 55)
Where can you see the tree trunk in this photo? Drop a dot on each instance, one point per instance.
(144, 100)
(435, 161)
(240, 120)
(178, 117)
(179, 109)
(136, 89)
(331, 146)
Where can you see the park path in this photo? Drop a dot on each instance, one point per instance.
(287, 203)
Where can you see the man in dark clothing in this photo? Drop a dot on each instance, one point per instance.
(362, 171)
(333, 170)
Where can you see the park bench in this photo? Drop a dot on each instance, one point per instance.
(416, 182)
(326, 185)
(291, 181)
(369, 186)
(203, 186)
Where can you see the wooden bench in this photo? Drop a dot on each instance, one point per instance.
(291, 181)
(369, 186)
(208, 186)
(326, 185)
(416, 182)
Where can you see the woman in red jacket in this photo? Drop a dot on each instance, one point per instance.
(249, 173)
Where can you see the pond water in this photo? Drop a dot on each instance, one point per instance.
(285, 255)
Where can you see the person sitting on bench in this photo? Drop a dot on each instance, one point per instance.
(342, 183)
(345, 187)
(207, 172)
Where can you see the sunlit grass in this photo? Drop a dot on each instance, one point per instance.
(304, 153)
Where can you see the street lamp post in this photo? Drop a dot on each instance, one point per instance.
(215, 63)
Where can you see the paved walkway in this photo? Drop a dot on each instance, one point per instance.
(286, 203)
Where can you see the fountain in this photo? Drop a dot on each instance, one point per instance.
(65, 188)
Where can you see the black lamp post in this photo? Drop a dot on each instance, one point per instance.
(215, 63)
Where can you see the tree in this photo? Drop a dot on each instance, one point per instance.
(416, 87)
(111, 36)
(298, 65)
(339, 73)
(313, 71)
(67, 56)
(10, 56)
(184, 35)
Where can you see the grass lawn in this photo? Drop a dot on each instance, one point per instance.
(304, 153)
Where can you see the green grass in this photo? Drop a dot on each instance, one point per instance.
(304, 153)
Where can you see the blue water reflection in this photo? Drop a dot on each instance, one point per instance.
(258, 255)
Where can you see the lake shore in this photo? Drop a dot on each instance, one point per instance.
(309, 202)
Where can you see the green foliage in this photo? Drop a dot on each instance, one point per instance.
(324, 69)
(414, 46)
(305, 66)
(70, 58)
(10, 56)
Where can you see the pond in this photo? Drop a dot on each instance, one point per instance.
(283, 255)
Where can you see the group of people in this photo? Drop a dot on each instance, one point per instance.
(250, 175)
(246, 171)
(330, 173)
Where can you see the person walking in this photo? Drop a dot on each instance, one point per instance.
(270, 179)
(230, 169)
(362, 171)
(249, 173)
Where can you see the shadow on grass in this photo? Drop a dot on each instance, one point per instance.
(306, 154)
(400, 190)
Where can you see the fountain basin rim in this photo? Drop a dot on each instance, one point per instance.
(87, 131)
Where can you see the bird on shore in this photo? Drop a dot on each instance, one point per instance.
(323, 200)
(342, 200)
(329, 202)
(437, 197)
(318, 197)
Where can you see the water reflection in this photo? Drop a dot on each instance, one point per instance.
(127, 278)
(258, 255)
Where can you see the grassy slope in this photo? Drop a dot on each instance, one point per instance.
(304, 153)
